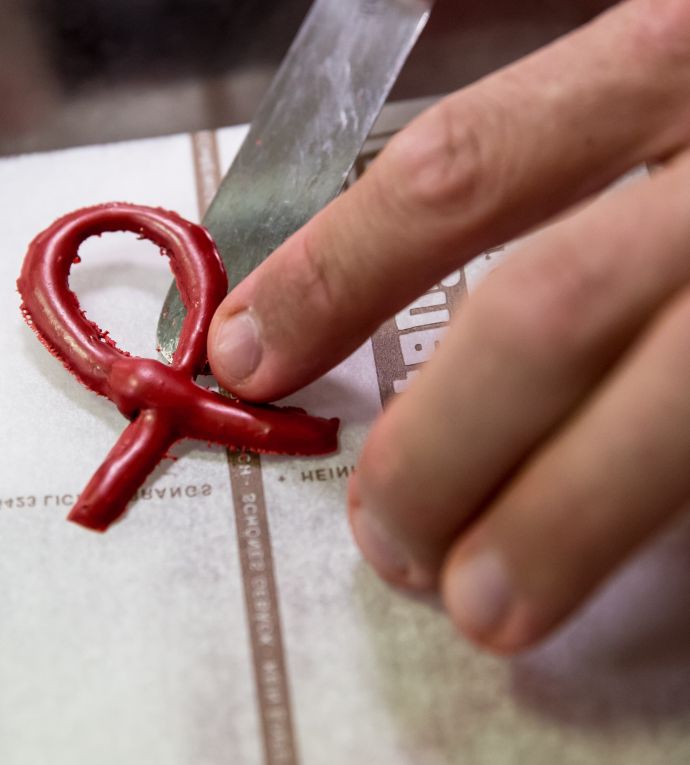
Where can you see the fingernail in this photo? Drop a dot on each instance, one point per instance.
(238, 348)
(479, 594)
(385, 554)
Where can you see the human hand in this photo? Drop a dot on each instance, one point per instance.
(553, 423)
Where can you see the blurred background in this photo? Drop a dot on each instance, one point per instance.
(83, 71)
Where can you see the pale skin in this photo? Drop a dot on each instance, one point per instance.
(553, 422)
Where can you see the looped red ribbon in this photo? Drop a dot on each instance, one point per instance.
(163, 402)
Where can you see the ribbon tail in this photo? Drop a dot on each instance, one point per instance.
(265, 429)
(136, 453)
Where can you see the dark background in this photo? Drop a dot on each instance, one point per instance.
(83, 71)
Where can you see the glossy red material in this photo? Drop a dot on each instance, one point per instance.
(162, 402)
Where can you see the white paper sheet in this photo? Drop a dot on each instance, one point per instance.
(202, 631)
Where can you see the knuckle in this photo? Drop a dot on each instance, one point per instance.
(658, 36)
(540, 306)
(448, 156)
(663, 28)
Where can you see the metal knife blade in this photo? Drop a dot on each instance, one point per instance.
(307, 132)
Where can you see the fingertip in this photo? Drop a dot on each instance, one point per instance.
(483, 603)
(387, 555)
(235, 347)
(241, 347)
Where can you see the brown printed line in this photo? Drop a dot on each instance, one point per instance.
(254, 542)
(258, 576)
(406, 341)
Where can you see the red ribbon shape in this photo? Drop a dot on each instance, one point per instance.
(163, 402)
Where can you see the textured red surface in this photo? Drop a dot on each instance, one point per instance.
(163, 403)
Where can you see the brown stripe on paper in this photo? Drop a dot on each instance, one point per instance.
(405, 342)
(254, 541)
(261, 597)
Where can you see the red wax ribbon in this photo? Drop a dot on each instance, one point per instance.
(163, 402)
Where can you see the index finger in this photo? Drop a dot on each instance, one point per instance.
(475, 170)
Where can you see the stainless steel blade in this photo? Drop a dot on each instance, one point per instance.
(307, 133)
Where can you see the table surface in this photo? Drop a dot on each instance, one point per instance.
(74, 72)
